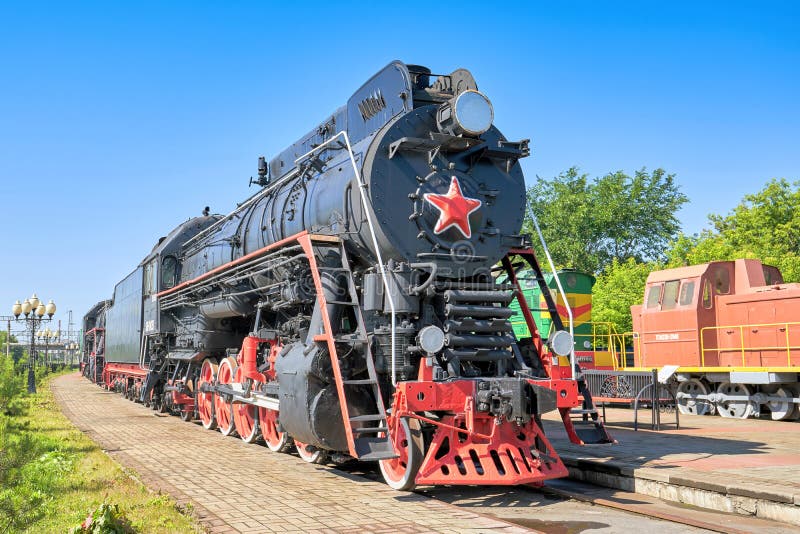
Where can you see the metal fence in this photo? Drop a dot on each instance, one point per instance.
(635, 388)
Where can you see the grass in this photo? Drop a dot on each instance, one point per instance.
(53, 476)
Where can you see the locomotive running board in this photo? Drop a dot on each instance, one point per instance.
(376, 445)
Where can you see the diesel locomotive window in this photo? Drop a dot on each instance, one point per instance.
(169, 271)
(722, 281)
(707, 302)
(652, 296)
(772, 275)
(687, 293)
(670, 295)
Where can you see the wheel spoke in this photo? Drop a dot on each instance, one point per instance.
(245, 416)
(268, 422)
(223, 408)
(205, 400)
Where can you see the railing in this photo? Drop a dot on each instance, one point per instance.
(371, 226)
(605, 338)
(560, 289)
(781, 330)
(634, 388)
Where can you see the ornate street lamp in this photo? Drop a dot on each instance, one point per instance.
(33, 313)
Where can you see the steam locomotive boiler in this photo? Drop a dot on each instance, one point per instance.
(351, 307)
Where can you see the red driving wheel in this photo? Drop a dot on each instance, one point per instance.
(223, 409)
(276, 440)
(245, 416)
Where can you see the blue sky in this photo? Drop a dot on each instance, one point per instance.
(118, 121)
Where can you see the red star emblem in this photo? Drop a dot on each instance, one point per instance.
(454, 209)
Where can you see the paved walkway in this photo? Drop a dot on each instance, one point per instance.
(235, 487)
(751, 459)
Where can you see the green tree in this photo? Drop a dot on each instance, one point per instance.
(589, 223)
(15, 351)
(11, 385)
(618, 287)
(765, 225)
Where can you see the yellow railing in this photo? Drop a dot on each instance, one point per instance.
(605, 338)
(782, 330)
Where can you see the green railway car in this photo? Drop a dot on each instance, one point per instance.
(578, 287)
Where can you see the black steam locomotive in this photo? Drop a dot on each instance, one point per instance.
(351, 306)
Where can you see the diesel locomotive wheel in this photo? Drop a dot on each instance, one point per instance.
(310, 453)
(782, 409)
(222, 408)
(205, 399)
(795, 415)
(245, 416)
(268, 422)
(401, 472)
(740, 408)
(688, 403)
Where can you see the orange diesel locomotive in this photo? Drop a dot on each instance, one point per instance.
(731, 329)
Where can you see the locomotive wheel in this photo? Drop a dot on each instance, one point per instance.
(796, 412)
(205, 400)
(311, 454)
(187, 412)
(735, 409)
(401, 472)
(162, 406)
(222, 408)
(690, 404)
(276, 440)
(782, 409)
(245, 416)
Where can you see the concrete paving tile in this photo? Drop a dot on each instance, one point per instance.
(300, 496)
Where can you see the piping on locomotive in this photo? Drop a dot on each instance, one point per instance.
(351, 306)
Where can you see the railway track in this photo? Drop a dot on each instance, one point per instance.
(352, 495)
(570, 507)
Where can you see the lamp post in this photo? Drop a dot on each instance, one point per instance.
(45, 336)
(33, 313)
(69, 349)
(54, 339)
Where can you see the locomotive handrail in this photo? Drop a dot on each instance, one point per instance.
(361, 189)
(560, 290)
(251, 200)
(783, 328)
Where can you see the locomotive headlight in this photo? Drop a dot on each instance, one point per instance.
(561, 343)
(470, 113)
(431, 339)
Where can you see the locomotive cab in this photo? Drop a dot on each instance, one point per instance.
(691, 316)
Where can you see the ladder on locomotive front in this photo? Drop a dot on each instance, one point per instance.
(367, 434)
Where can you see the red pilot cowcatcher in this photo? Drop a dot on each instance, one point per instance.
(454, 209)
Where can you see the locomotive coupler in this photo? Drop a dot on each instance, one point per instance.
(513, 399)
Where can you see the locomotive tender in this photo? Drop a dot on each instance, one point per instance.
(350, 307)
